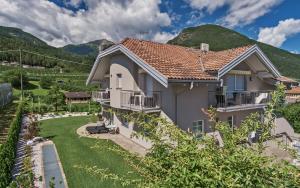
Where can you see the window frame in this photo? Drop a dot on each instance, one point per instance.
(119, 79)
(235, 82)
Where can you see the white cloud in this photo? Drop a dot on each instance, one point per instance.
(163, 37)
(277, 35)
(240, 12)
(208, 5)
(112, 20)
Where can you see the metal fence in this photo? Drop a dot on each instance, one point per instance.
(5, 94)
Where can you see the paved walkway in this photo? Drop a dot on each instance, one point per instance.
(52, 166)
(53, 116)
(20, 154)
(119, 139)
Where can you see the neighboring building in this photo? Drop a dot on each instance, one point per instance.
(77, 97)
(181, 83)
(288, 82)
(293, 95)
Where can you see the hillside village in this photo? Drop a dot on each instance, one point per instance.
(210, 107)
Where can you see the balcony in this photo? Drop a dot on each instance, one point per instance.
(136, 101)
(102, 96)
(238, 100)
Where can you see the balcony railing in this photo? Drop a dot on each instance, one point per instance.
(101, 96)
(135, 100)
(238, 98)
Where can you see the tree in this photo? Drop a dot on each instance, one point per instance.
(46, 82)
(178, 159)
(14, 77)
(55, 97)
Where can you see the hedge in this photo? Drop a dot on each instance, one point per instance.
(8, 149)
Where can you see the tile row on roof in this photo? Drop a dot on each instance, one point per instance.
(294, 91)
(177, 62)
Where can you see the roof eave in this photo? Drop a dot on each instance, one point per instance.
(254, 49)
(149, 69)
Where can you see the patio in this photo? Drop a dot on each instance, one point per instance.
(119, 139)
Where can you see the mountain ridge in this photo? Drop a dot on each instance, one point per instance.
(90, 48)
(221, 38)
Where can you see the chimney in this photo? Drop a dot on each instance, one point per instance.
(204, 47)
(104, 45)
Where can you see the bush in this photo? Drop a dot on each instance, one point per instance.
(46, 82)
(292, 114)
(8, 149)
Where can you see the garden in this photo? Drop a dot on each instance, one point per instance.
(77, 151)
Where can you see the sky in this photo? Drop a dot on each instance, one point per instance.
(62, 22)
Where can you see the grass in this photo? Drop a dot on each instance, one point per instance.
(34, 87)
(74, 150)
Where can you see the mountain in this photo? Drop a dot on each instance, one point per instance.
(14, 39)
(220, 38)
(90, 48)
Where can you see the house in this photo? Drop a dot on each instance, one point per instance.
(77, 97)
(293, 95)
(288, 82)
(181, 83)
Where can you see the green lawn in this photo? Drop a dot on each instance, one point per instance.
(74, 150)
(34, 87)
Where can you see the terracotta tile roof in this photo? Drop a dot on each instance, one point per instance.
(294, 90)
(286, 79)
(177, 62)
(77, 95)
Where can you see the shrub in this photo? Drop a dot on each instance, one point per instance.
(8, 149)
(292, 114)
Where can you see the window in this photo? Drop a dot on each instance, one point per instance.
(236, 82)
(119, 81)
(230, 121)
(198, 128)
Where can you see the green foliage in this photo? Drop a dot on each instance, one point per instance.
(292, 114)
(46, 82)
(91, 107)
(26, 177)
(14, 77)
(75, 86)
(178, 159)
(220, 38)
(13, 38)
(277, 100)
(8, 149)
(55, 97)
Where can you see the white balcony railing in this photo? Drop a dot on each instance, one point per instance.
(135, 100)
(238, 98)
(101, 96)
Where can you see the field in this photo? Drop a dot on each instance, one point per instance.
(74, 150)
